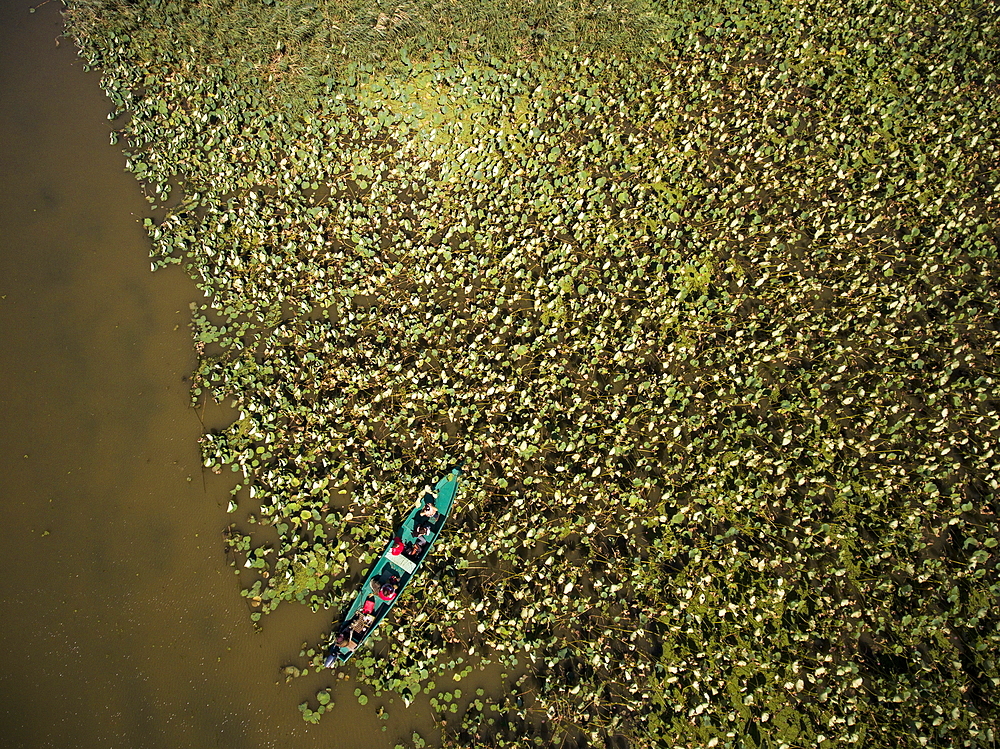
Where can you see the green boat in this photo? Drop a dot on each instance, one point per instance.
(394, 568)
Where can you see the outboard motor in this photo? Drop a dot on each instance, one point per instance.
(332, 657)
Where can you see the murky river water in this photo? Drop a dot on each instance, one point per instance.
(122, 625)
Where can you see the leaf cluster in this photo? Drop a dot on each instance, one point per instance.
(713, 326)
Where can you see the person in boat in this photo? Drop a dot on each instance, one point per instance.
(389, 589)
(344, 640)
(430, 510)
(420, 530)
(415, 549)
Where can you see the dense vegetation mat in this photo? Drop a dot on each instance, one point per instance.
(705, 294)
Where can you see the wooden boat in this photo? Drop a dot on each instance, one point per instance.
(393, 570)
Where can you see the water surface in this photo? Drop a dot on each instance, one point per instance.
(122, 623)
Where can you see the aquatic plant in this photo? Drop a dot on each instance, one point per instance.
(712, 323)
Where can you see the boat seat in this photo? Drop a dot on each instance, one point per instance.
(369, 607)
(403, 564)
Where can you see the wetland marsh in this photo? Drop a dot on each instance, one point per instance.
(704, 295)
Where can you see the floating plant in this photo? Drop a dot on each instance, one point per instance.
(704, 296)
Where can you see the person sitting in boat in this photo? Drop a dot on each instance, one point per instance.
(415, 549)
(389, 589)
(344, 640)
(430, 510)
(420, 530)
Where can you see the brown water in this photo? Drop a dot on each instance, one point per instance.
(121, 624)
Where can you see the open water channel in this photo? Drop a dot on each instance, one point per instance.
(121, 624)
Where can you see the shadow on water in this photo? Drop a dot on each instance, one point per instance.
(122, 625)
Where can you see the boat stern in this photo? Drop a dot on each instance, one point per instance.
(332, 657)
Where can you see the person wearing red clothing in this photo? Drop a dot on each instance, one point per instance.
(389, 589)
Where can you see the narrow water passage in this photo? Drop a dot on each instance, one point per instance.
(122, 625)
